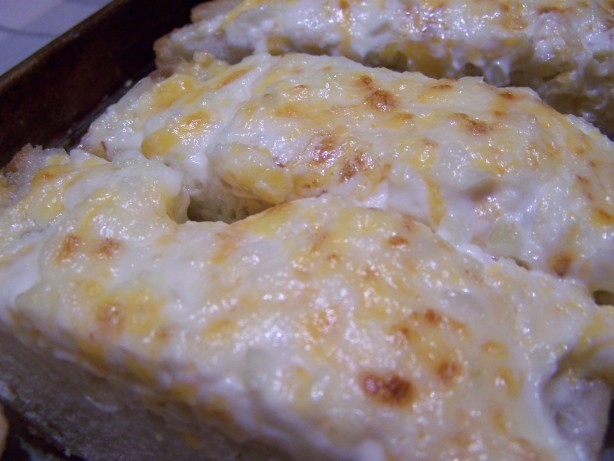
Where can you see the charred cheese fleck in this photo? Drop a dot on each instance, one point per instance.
(493, 168)
(335, 331)
(562, 49)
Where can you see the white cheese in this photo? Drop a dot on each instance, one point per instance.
(490, 167)
(562, 49)
(331, 330)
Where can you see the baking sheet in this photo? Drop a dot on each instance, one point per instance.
(28, 26)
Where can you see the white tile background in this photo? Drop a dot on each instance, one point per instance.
(27, 25)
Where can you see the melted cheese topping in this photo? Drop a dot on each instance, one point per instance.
(482, 166)
(562, 49)
(336, 331)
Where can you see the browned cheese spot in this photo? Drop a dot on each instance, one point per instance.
(509, 95)
(389, 389)
(508, 381)
(279, 161)
(435, 91)
(512, 19)
(432, 317)
(408, 224)
(324, 150)
(382, 101)
(108, 247)
(307, 185)
(404, 117)
(68, 248)
(532, 158)
(447, 371)
(580, 150)
(483, 192)
(403, 335)
(355, 164)
(299, 92)
(163, 334)
(110, 318)
(333, 259)
(408, 331)
(318, 239)
(585, 186)
(552, 9)
(584, 181)
(397, 240)
(288, 110)
(603, 217)
(472, 126)
(369, 273)
(365, 81)
(297, 69)
(499, 420)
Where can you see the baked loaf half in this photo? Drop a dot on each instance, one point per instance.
(482, 166)
(562, 49)
(323, 329)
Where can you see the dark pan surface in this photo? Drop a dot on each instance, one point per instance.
(50, 98)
